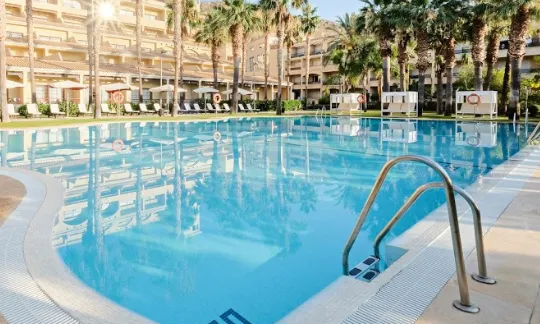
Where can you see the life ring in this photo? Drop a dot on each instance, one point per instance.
(217, 136)
(474, 99)
(473, 141)
(253, 126)
(361, 99)
(216, 98)
(118, 145)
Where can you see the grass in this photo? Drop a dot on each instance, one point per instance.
(22, 123)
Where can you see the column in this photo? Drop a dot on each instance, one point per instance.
(272, 92)
(200, 85)
(27, 91)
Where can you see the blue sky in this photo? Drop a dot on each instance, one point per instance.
(330, 9)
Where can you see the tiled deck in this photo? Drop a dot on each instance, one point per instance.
(513, 258)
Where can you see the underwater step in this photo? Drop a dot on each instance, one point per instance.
(365, 270)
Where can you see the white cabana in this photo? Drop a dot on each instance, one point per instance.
(113, 87)
(13, 85)
(476, 103)
(166, 88)
(203, 90)
(400, 102)
(346, 102)
(400, 131)
(242, 92)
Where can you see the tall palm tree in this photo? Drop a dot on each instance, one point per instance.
(522, 12)
(3, 78)
(291, 35)
(96, 45)
(31, 53)
(267, 25)
(177, 11)
(478, 30)
(250, 27)
(375, 19)
(281, 11)
(496, 29)
(309, 23)
(90, 48)
(213, 35)
(234, 15)
(138, 10)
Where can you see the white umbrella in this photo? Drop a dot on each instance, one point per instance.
(68, 85)
(205, 90)
(12, 85)
(118, 87)
(167, 88)
(242, 92)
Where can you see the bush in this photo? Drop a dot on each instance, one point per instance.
(430, 106)
(533, 110)
(324, 100)
(374, 105)
(23, 111)
(71, 107)
(374, 97)
(44, 109)
(292, 105)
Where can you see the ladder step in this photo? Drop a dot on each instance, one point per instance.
(362, 268)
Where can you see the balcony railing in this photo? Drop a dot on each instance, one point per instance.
(293, 55)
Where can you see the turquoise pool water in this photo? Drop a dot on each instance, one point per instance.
(181, 228)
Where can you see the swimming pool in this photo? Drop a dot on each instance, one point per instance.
(181, 228)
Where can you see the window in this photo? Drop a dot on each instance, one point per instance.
(40, 93)
(82, 41)
(14, 35)
(50, 38)
(150, 17)
(72, 4)
(55, 95)
(135, 95)
(124, 12)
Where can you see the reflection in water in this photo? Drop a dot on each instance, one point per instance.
(180, 228)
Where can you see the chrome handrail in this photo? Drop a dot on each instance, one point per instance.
(464, 303)
(482, 275)
(534, 134)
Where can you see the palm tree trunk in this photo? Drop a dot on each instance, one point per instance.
(478, 51)
(181, 79)
(403, 59)
(30, 32)
(139, 47)
(97, 46)
(215, 62)
(237, 35)
(492, 56)
(506, 86)
(280, 63)
(422, 64)
(478, 84)
(386, 73)
(90, 46)
(308, 55)
(450, 60)
(244, 54)
(266, 64)
(3, 78)
(440, 106)
(177, 10)
(518, 31)
(421, 91)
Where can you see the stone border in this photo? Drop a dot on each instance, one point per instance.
(402, 292)
(35, 284)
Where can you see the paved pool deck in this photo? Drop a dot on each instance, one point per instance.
(513, 259)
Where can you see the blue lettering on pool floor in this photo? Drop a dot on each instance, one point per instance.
(236, 318)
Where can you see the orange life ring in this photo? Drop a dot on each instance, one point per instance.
(118, 97)
(217, 98)
(217, 136)
(477, 100)
(118, 145)
(361, 99)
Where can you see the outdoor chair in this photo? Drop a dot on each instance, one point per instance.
(129, 110)
(218, 108)
(55, 111)
(32, 110)
(251, 108)
(83, 110)
(226, 107)
(198, 108)
(242, 109)
(210, 108)
(105, 109)
(144, 110)
(11, 111)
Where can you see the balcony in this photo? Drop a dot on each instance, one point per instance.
(295, 55)
(45, 5)
(317, 52)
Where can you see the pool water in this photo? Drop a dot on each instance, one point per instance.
(179, 227)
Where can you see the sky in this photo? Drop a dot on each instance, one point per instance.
(330, 9)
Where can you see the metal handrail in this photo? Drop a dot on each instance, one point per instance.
(464, 303)
(534, 134)
(482, 275)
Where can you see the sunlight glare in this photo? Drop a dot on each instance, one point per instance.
(106, 10)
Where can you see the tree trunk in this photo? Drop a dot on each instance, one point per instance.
(280, 64)
(97, 46)
(440, 107)
(177, 10)
(215, 63)
(478, 86)
(3, 78)
(478, 50)
(489, 77)
(450, 61)
(386, 73)
(181, 78)
(244, 54)
(506, 86)
(403, 59)
(237, 35)
(308, 56)
(518, 31)
(139, 47)
(90, 46)
(266, 64)
(31, 50)
(421, 91)
(492, 57)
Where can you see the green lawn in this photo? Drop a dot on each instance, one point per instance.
(19, 123)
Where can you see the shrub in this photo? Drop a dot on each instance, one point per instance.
(324, 100)
(533, 110)
(292, 105)
(23, 111)
(44, 109)
(374, 97)
(71, 107)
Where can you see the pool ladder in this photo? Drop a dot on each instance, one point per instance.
(534, 134)
(362, 269)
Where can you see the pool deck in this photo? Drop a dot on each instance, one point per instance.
(513, 259)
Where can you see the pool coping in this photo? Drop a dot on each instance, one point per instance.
(402, 292)
(36, 285)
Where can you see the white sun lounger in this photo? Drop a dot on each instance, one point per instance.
(129, 110)
(32, 110)
(11, 110)
(251, 108)
(241, 108)
(105, 109)
(144, 110)
(210, 108)
(226, 107)
(55, 110)
(83, 110)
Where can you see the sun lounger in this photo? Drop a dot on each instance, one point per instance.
(105, 109)
(187, 108)
(32, 110)
(226, 107)
(144, 110)
(83, 110)
(198, 108)
(129, 110)
(218, 108)
(241, 108)
(55, 110)
(210, 108)
(11, 110)
(251, 108)
(158, 109)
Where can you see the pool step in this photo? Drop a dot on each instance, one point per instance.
(365, 270)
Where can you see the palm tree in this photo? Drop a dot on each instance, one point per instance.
(138, 10)
(250, 27)
(497, 29)
(267, 25)
(280, 10)
(291, 34)
(234, 15)
(96, 45)
(3, 78)
(214, 36)
(522, 12)
(30, 35)
(309, 23)
(375, 19)
(90, 46)
(478, 30)
(177, 10)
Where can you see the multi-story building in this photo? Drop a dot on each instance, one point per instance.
(61, 52)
